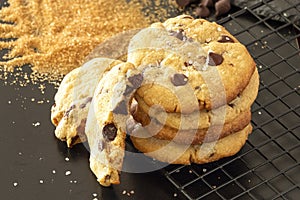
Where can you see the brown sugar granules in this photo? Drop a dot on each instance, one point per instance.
(56, 36)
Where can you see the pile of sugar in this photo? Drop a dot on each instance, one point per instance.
(56, 36)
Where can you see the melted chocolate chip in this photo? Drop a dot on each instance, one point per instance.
(109, 132)
(136, 80)
(222, 7)
(202, 11)
(178, 34)
(87, 100)
(81, 128)
(101, 145)
(67, 113)
(179, 79)
(128, 90)
(74, 140)
(215, 59)
(121, 108)
(225, 39)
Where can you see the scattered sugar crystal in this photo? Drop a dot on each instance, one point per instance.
(41, 181)
(53, 171)
(35, 124)
(259, 112)
(20, 153)
(132, 192)
(9, 102)
(175, 194)
(15, 184)
(95, 198)
(95, 194)
(124, 192)
(204, 170)
(67, 159)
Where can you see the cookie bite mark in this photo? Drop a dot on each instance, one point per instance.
(179, 79)
(109, 132)
(215, 59)
(225, 39)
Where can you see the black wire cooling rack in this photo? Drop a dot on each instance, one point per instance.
(268, 166)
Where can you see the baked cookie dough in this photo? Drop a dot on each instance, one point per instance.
(205, 56)
(73, 98)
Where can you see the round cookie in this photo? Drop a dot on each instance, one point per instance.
(73, 98)
(213, 133)
(210, 58)
(170, 152)
(241, 104)
(106, 122)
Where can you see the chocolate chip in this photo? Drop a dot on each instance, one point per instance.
(183, 3)
(202, 11)
(179, 79)
(67, 113)
(225, 39)
(74, 140)
(136, 80)
(128, 90)
(215, 59)
(121, 108)
(178, 34)
(109, 132)
(222, 7)
(81, 128)
(101, 145)
(87, 100)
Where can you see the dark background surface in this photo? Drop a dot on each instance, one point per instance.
(268, 167)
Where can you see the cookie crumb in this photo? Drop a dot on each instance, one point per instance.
(68, 173)
(95, 194)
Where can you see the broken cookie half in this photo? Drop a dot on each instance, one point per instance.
(106, 122)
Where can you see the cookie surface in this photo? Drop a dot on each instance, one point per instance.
(106, 122)
(197, 136)
(209, 57)
(170, 152)
(73, 98)
(204, 118)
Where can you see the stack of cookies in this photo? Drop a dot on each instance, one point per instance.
(206, 114)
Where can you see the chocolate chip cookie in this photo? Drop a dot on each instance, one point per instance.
(73, 99)
(206, 57)
(171, 152)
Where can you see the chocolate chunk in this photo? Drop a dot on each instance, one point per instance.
(207, 3)
(183, 3)
(109, 132)
(225, 39)
(202, 11)
(87, 100)
(136, 80)
(178, 34)
(121, 108)
(222, 7)
(74, 140)
(67, 113)
(179, 79)
(215, 59)
(81, 128)
(101, 145)
(128, 90)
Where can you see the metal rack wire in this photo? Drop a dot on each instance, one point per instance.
(268, 166)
